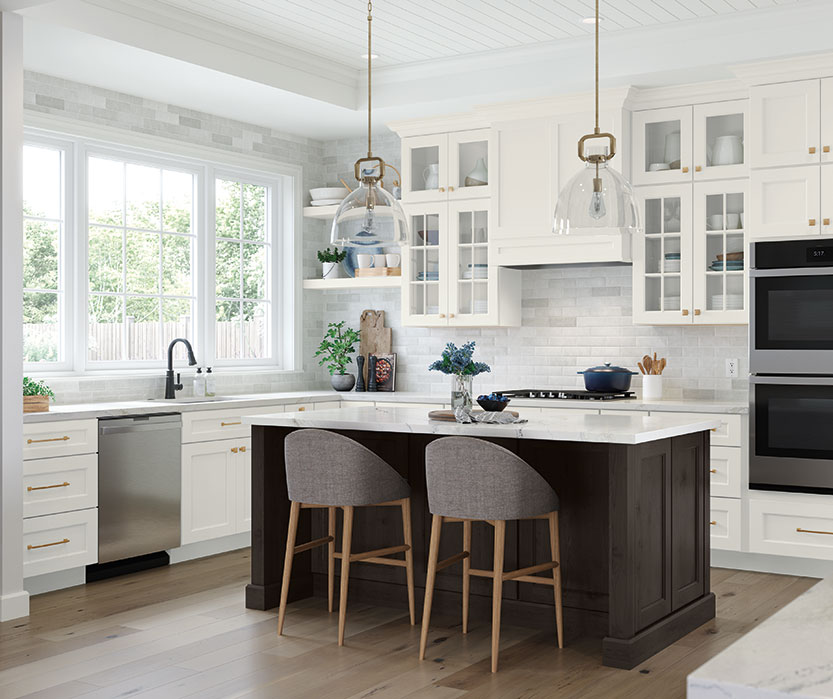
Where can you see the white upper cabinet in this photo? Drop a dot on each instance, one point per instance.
(446, 166)
(786, 201)
(662, 145)
(827, 122)
(785, 128)
(684, 144)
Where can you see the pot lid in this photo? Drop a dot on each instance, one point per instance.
(607, 369)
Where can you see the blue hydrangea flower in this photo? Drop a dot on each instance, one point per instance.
(458, 360)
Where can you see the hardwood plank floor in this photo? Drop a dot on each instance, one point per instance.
(183, 631)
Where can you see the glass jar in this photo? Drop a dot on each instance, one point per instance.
(461, 395)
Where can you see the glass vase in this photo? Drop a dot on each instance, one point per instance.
(461, 395)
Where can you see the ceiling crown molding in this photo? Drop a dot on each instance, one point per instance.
(785, 69)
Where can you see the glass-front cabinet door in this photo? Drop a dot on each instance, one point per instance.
(719, 272)
(425, 266)
(662, 145)
(471, 283)
(719, 132)
(662, 264)
(468, 164)
(424, 168)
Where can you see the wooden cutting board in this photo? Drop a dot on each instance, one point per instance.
(375, 337)
(448, 415)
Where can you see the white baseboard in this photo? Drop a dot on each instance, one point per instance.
(14, 605)
(210, 548)
(766, 563)
(38, 584)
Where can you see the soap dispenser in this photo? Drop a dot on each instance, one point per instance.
(210, 383)
(199, 384)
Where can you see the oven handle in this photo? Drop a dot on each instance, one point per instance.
(792, 380)
(793, 272)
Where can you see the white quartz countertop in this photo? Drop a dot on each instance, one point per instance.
(139, 407)
(788, 655)
(567, 427)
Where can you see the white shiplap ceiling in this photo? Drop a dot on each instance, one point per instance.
(408, 31)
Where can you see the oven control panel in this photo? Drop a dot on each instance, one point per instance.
(786, 254)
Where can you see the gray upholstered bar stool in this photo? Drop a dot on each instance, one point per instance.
(329, 470)
(473, 480)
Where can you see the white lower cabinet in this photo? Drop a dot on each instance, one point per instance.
(800, 525)
(216, 480)
(725, 523)
(725, 471)
(60, 484)
(58, 542)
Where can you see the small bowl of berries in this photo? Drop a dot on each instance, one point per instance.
(493, 403)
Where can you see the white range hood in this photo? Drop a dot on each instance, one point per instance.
(603, 246)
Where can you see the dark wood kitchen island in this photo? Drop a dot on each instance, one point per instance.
(634, 523)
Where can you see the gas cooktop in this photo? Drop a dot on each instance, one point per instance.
(566, 394)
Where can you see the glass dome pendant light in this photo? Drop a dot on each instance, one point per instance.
(598, 200)
(369, 215)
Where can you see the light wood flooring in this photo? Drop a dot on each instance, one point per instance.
(183, 631)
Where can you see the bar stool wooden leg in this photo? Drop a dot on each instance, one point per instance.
(331, 556)
(433, 555)
(555, 550)
(466, 575)
(347, 537)
(294, 511)
(409, 556)
(497, 588)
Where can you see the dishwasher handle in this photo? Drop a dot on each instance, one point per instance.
(140, 423)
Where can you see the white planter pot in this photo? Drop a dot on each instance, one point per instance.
(330, 270)
(651, 387)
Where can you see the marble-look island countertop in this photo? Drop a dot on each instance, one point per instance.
(608, 429)
(788, 655)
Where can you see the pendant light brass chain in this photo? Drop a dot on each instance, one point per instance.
(369, 61)
(597, 66)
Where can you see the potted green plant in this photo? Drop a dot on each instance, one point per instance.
(330, 260)
(36, 395)
(335, 350)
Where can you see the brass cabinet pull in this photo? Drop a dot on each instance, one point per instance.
(243, 449)
(51, 439)
(812, 222)
(825, 149)
(450, 315)
(234, 450)
(442, 315)
(697, 311)
(713, 522)
(685, 311)
(825, 221)
(685, 169)
(811, 150)
(712, 470)
(301, 409)
(42, 546)
(442, 189)
(46, 487)
(812, 531)
(451, 189)
(229, 424)
(697, 168)
(714, 429)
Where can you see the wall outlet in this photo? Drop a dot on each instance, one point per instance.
(732, 368)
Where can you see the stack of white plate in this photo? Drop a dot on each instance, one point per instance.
(733, 302)
(432, 310)
(327, 196)
(476, 271)
(481, 306)
(672, 303)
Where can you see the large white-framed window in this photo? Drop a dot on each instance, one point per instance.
(47, 254)
(153, 246)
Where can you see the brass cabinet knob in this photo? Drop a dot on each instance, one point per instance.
(713, 523)
(234, 450)
(301, 409)
(442, 189)
(825, 222)
(450, 315)
(685, 311)
(697, 311)
(697, 168)
(442, 315)
(685, 169)
(243, 449)
(825, 149)
(451, 189)
(811, 150)
(812, 222)
(712, 470)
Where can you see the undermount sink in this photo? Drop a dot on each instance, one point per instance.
(202, 399)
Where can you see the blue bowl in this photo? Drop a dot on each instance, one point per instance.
(492, 406)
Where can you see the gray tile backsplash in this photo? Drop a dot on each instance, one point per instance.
(573, 317)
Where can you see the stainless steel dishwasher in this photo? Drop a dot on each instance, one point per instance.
(139, 485)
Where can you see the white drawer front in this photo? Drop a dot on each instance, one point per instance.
(548, 412)
(725, 471)
(220, 424)
(791, 528)
(59, 542)
(60, 438)
(61, 484)
(632, 413)
(725, 524)
(728, 434)
(424, 406)
(327, 405)
(357, 404)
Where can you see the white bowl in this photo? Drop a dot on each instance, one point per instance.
(328, 193)
(656, 167)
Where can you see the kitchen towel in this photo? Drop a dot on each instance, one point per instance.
(466, 416)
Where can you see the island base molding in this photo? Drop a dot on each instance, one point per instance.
(634, 539)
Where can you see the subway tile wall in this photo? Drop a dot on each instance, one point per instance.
(573, 317)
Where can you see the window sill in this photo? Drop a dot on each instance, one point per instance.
(104, 374)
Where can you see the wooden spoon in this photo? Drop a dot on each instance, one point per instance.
(641, 368)
(661, 366)
(646, 360)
